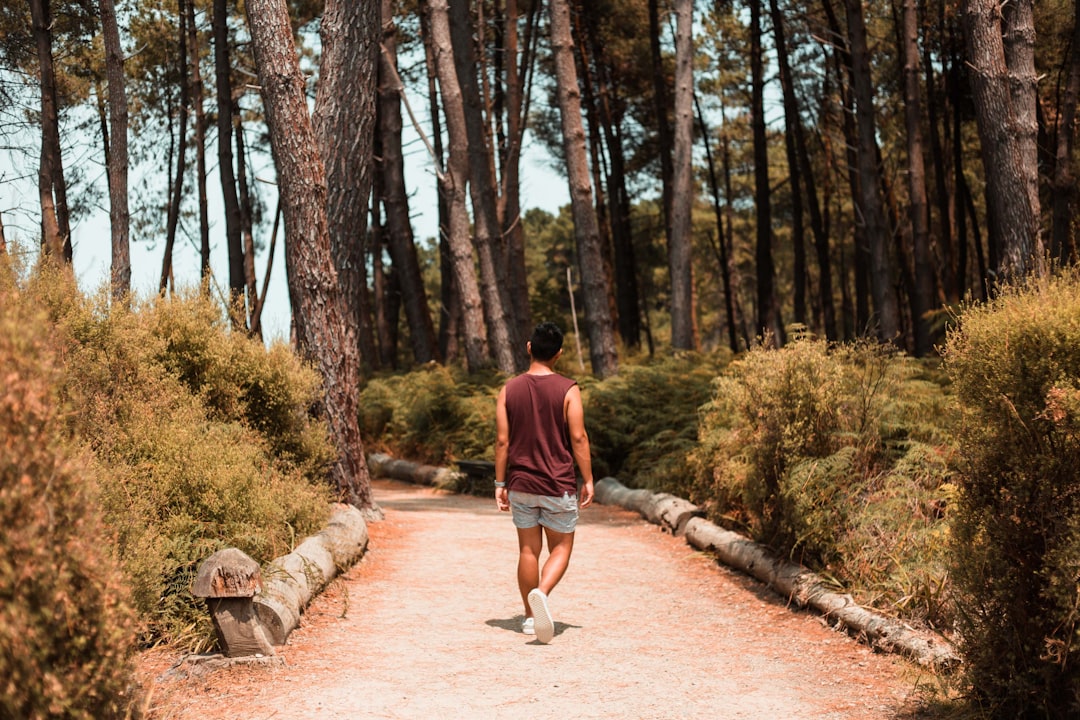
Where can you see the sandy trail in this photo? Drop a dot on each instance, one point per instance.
(427, 626)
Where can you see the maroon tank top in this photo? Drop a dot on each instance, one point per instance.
(539, 460)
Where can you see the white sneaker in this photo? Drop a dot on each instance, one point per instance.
(527, 626)
(543, 625)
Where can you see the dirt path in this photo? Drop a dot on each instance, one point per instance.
(426, 626)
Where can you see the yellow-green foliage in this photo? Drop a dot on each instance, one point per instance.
(1015, 365)
(434, 415)
(642, 423)
(201, 437)
(66, 628)
(830, 455)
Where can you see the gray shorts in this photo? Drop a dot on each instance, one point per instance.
(555, 513)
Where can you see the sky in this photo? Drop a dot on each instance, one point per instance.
(542, 186)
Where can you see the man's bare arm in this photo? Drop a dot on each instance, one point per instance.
(579, 443)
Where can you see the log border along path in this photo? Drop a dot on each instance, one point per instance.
(427, 625)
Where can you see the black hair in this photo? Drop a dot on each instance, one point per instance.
(546, 341)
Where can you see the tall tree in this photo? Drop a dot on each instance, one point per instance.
(223, 87)
(680, 243)
(768, 310)
(660, 108)
(322, 329)
(344, 124)
(873, 211)
(119, 218)
(177, 195)
(52, 189)
(1063, 245)
(1006, 129)
(595, 284)
(454, 185)
(922, 295)
(398, 228)
(507, 348)
(200, 140)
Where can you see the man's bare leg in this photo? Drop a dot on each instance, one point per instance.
(560, 545)
(530, 543)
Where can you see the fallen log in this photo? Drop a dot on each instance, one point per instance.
(789, 579)
(291, 581)
(382, 465)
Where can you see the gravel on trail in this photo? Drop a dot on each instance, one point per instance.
(427, 625)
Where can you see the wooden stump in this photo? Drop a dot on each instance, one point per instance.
(228, 580)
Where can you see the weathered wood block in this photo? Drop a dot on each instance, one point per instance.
(228, 580)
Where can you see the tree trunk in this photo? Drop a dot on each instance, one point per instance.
(769, 326)
(55, 234)
(509, 351)
(721, 246)
(918, 206)
(177, 198)
(200, 142)
(945, 199)
(595, 282)
(453, 181)
(344, 122)
(1005, 133)
(877, 231)
(518, 74)
(119, 218)
(660, 107)
(399, 233)
(319, 310)
(223, 85)
(250, 279)
(792, 125)
(680, 243)
(1063, 246)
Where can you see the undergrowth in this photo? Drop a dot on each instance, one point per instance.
(201, 438)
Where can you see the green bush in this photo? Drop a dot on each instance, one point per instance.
(434, 414)
(834, 456)
(642, 423)
(66, 628)
(190, 461)
(1015, 365)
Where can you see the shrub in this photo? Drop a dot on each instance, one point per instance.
(642, 423)
(834, 456)
(66, 629)
(434, 414)
(1015, 366)
(186, 461)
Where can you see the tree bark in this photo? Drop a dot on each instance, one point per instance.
(1004, 132)
(877, 231)
(119, 217)
(453, 181)
(223, 86)
(399, 233)
(680, 244)
(918, 205)
(344, 122)
(322, 330)
(508, 349)
(595, 282)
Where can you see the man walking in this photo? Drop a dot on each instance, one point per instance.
(541, 433)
